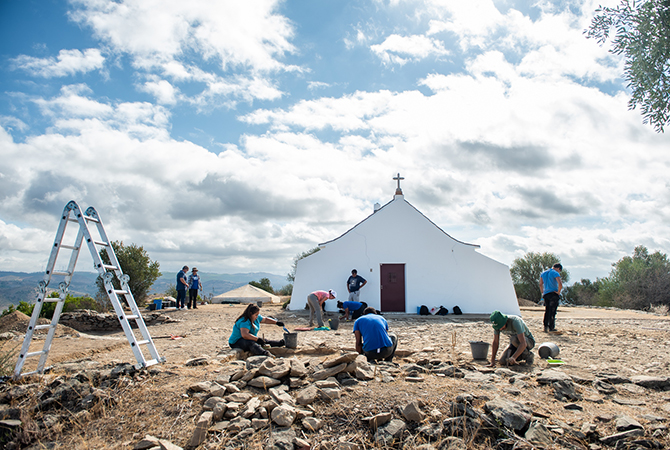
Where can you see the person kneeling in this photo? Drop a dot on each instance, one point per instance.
(521, 341)
(373, 338)
(245, 332)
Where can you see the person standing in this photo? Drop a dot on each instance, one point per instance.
(373, 338)
(182, 285)
(354, 285)
(521, 340)
(315, 301)
(194, 285)
(551, 286)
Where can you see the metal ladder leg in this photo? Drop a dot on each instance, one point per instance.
(42, 295)
(107, 272)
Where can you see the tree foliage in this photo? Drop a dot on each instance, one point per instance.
(584, 292)
(264, 284)
(526, 273)
(642, 36)
(291, 275)
(287, 289)
(135, 263)
(71, 304)
(640, 280)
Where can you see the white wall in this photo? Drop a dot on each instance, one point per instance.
(439, 271)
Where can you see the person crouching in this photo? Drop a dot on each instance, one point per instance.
(245, 332)
(521, 340)
(373, 338)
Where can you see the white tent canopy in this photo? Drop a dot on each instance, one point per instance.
(246, 294)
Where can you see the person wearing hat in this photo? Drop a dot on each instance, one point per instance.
(194, 285)
(315, 301)
(521, 340)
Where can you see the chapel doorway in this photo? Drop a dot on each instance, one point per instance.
(392, 285)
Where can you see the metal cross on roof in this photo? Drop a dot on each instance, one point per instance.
(398, 191)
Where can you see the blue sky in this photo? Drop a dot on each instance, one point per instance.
(234, 135)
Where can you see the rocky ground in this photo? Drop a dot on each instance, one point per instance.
(613, 391)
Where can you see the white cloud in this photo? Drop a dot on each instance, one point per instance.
(68, 62)
(401, 49)
(247, 40)
(164, 92)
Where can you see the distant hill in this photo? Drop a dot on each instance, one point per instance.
(21, 286)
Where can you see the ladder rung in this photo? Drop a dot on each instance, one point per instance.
(91, 219)
(151, 362)
(110, 267)
(42, 327)
(106, 244)
(71, 219)
(51, 299)
(25, 374)
(41, 352)
(67, 274)
(122, 292)
(71, 247)
(132, 317)
(143, 342)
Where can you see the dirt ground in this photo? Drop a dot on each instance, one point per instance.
(591, 341)
(607, 339)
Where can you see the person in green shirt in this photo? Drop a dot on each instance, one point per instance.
(521, 340)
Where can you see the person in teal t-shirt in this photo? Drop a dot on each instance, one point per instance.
(521, 340)
(245, 332)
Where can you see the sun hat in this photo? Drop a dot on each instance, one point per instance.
(498, 320)
(333, 293)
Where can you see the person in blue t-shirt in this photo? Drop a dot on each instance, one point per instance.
(182, 285)
(373, 338)
(354, 284)
(551, 286)
(194, 284)
(354, 308)
(245, 332)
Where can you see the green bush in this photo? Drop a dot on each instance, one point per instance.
(48, 308)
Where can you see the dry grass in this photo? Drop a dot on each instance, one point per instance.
(661, 310)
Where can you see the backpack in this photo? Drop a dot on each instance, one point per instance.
(457, 310)
(442, 311)
(424, 311)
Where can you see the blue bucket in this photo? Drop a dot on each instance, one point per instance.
(159, 303)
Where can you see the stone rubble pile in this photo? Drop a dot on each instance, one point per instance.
(277, 400)
(88, 320)
(277, 396)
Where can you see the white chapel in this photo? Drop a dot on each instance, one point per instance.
(408, 261)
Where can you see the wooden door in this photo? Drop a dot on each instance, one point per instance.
(392, 287)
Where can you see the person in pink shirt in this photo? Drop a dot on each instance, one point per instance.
(315, 301)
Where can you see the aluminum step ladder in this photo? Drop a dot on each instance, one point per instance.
(72, 214)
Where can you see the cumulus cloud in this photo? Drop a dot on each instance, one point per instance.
(248, 42)
(401, 49)
(68, 62)
(510, 144)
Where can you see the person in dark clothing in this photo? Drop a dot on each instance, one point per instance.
(182, 285)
